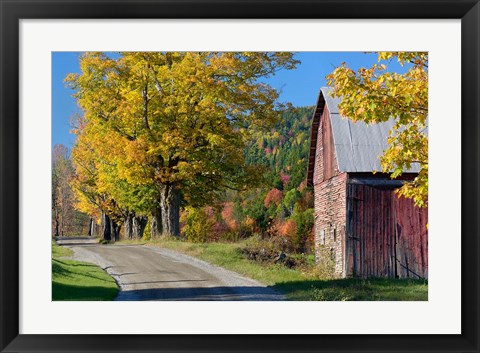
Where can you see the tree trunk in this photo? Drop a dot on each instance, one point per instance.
(106, 227)
(115, 230)
(129, 226)
(156, 223)
(170, 205)
(94, 228)
(90, 228)
(139, 224)
(57, 233)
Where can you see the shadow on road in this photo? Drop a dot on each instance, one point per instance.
(156, 282)
(201, 294)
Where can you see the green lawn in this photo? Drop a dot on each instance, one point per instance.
(74, 280)
(299, 284)
(374, 289)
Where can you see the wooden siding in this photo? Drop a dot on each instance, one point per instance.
(412, 239)
(330, 167)
(386, 236)
(326, 165)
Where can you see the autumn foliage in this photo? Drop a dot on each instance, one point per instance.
(274, 196)
(164, 129)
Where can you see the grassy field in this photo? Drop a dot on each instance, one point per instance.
(298, 284)
(74, 280)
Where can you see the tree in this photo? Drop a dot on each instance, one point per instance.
(62, 195)
(92, 192)
(173, 125)
(375, 95)
(291, 197)
(274, 196)
(304, 220)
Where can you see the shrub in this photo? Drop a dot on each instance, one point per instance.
(198, 224)
(325, 265)
(262, 250)
(248, 226)
(147, 233)
(272, 250)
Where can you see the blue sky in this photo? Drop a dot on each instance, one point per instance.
(299, 86)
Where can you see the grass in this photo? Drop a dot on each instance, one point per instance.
(352, 289)
(298, 284)
(75, 280)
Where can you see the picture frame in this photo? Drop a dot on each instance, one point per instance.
(12, 11)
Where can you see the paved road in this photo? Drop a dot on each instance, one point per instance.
(152, 273)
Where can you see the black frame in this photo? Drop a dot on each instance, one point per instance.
(11, 11)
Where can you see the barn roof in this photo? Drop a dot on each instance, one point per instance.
(357, 145)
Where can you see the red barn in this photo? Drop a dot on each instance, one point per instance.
(359, 220)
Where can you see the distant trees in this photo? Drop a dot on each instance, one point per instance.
(162, 129)
(65, 219)
(375, 95)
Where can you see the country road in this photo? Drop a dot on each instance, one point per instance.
(152, 273)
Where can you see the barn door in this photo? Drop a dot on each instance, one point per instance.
(386, 235)
(370, 232)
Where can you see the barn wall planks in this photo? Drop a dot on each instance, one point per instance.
(326, 165)
(412, 239)
(386, 236)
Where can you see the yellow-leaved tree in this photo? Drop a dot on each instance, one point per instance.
(166, 129)
(376, 95)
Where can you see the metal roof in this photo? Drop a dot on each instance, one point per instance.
(358, 146)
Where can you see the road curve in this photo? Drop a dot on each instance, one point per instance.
(152, 273)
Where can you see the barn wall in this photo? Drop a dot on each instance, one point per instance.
(326, 165)
(330, 198)
(330, 215)
(386, 236)
(412, 239)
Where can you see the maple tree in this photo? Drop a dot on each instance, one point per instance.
(375, 95)
(162, 128)
(91, 195)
